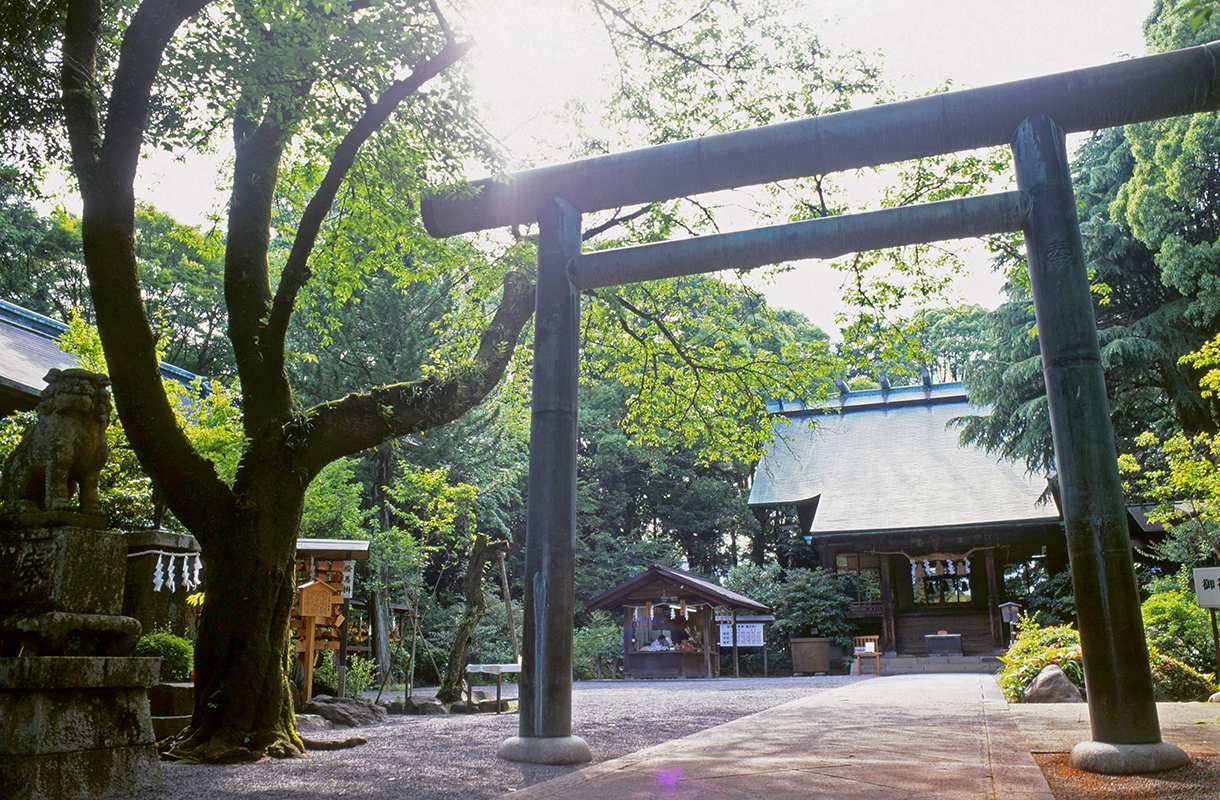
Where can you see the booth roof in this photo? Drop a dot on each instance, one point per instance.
(347, 549)
(683, 584)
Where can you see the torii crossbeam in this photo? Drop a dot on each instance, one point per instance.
(1032, 116)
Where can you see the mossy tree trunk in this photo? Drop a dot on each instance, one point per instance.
(481, 551)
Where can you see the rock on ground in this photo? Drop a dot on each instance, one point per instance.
(415, 705)
(1052, 686)
(345, 711)
(313, 722)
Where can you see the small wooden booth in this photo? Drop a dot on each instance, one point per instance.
(325, 573)
(669, 626)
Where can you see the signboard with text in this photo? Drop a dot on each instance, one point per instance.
(749, 634)
(349, 579)
(1207, 586)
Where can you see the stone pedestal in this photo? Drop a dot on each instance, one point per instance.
(76, 727)
(62, 592)
(74, 719)
(163, 607)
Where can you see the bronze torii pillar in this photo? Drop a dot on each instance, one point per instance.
(1122, 705)
(545, 705)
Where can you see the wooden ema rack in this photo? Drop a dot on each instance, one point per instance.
(317, 615)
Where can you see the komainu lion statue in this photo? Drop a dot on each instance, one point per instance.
(64, 449)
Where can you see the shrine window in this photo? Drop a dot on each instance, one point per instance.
(860, 576)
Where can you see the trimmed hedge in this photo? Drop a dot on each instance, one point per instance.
(177, 654)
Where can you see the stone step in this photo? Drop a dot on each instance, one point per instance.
(165, 727)
(172, 699)
(905, 665)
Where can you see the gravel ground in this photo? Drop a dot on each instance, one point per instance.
(454, 757)
(1199, 781)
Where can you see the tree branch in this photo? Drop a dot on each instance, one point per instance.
(296, 270)
(106, 168)
(615, 222)
(360, 421)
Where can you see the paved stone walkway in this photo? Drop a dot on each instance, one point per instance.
(907, 736)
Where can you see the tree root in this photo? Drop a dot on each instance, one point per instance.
(217, 750)
(333, 744)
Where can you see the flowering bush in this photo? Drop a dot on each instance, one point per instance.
(1177, 682)
(1178, 628)
(1035, 648)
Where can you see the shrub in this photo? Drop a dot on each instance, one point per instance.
(1178, 628)
(811, 604)
(600, 634)
(177, 654)
(1176, 682)
(1034, 648)
(360, 674)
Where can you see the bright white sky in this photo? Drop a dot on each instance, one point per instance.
(533, 55)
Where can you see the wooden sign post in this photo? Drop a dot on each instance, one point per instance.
(315, 607)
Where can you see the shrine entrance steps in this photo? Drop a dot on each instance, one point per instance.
(912, 665)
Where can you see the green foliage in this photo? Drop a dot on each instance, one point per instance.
(29, 86)
(1176, 626)
(181, 272)
(1035, 648)
(1049, 597)
(492, 644)
(698, 358)
(1182, 476)
(811, 603)
(210, 416)
(764, 583)
(333, 505)
(599, 634)
(361, 674)
(177, 654)
(1054, 599)
(41, 262)
(1144, 327)
(663, 503)
(1169, 202)
(880, 285)
(1176, 682)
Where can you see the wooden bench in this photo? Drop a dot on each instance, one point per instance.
(490, 669)
(867, 647)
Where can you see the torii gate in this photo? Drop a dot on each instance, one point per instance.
(1032, 116)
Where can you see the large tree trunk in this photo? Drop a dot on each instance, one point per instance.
(243, 701)
(480, 552)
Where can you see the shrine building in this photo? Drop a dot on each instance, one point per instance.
(923, 526)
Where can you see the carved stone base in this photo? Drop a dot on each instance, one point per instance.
(76, 727)
(64, 634)
(545, 750)
(66, 568)
(1127, 759)
(31, 516)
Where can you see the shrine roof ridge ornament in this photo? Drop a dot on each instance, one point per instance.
(1136, 90)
